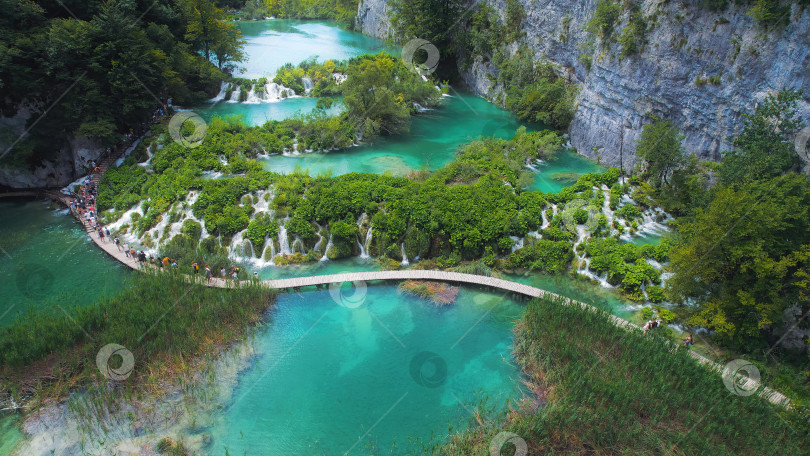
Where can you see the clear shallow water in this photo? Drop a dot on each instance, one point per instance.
(272, 43)
(45, 255)
(330, 379)
(259, 113)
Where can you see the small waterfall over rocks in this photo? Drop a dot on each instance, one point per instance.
(366, 240)
(405, 261)
(308, 84)
(221, 95)
(283, 241)
(325, 256)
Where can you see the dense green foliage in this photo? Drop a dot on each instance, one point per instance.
(660, 148)
(746, 257)
(603, 390)
(156, 316)
(604, 19)
(99, 73)
(437, 21)
(765, 147)
(340, 10)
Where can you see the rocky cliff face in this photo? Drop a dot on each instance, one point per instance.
(69, 165)
(686, 44)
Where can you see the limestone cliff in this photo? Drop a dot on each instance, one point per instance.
(686, 45)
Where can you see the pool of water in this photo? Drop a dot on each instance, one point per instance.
(343, 371)
(46, 255)
(273, 43)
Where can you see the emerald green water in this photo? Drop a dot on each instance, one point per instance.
(333, 379)
(45, 255)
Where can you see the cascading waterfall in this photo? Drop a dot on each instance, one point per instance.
(364, 245)
(283, 242)
(317, 246)
(235, 95)
(607, 211)
(298, 244)
(405, 261)
(221, 95)
(252, 97)
(308, 84)
(276, 92)
(517, 242)
(584, 263)
(326, 250)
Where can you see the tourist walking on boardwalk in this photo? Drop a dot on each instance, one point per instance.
(118, 243)
(101, 234)
(126, 250)
(222, 273)
(195, 267)
(689, 341)
(208, 274)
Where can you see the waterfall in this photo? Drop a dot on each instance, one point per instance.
(252, 98)
(326, 250)
(317, 246)
(584, 263)
(517, 242)
(272, 248)
(276, 92)
(221, 95)
(367, 240)
(298, 243)
(405, 261)
(546, 221)
(308, 85)
(235, 95)
(283, 242)
(607, 211)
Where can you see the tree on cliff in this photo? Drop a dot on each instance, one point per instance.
(660, 148)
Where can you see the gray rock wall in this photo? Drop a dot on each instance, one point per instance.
(618, 95)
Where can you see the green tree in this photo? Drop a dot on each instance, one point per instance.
(743, 258)
(660, 148)
(765, 147)
(604, 19)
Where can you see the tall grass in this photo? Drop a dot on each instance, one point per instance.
(161, 318)
(603, 390)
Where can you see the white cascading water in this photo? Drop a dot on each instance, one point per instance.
(298, 245)
(607, 211)
(517, 242)
(317, 246)
(252, 97)
(367, 240)
(235, 95)
(221, 95)
(546, 221)
(270, 244)
(283, 242)
(584, 263)
(308, 84)
(326, 250)
(276, 92)
(405, 261)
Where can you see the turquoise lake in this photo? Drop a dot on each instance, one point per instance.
(374, 372)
